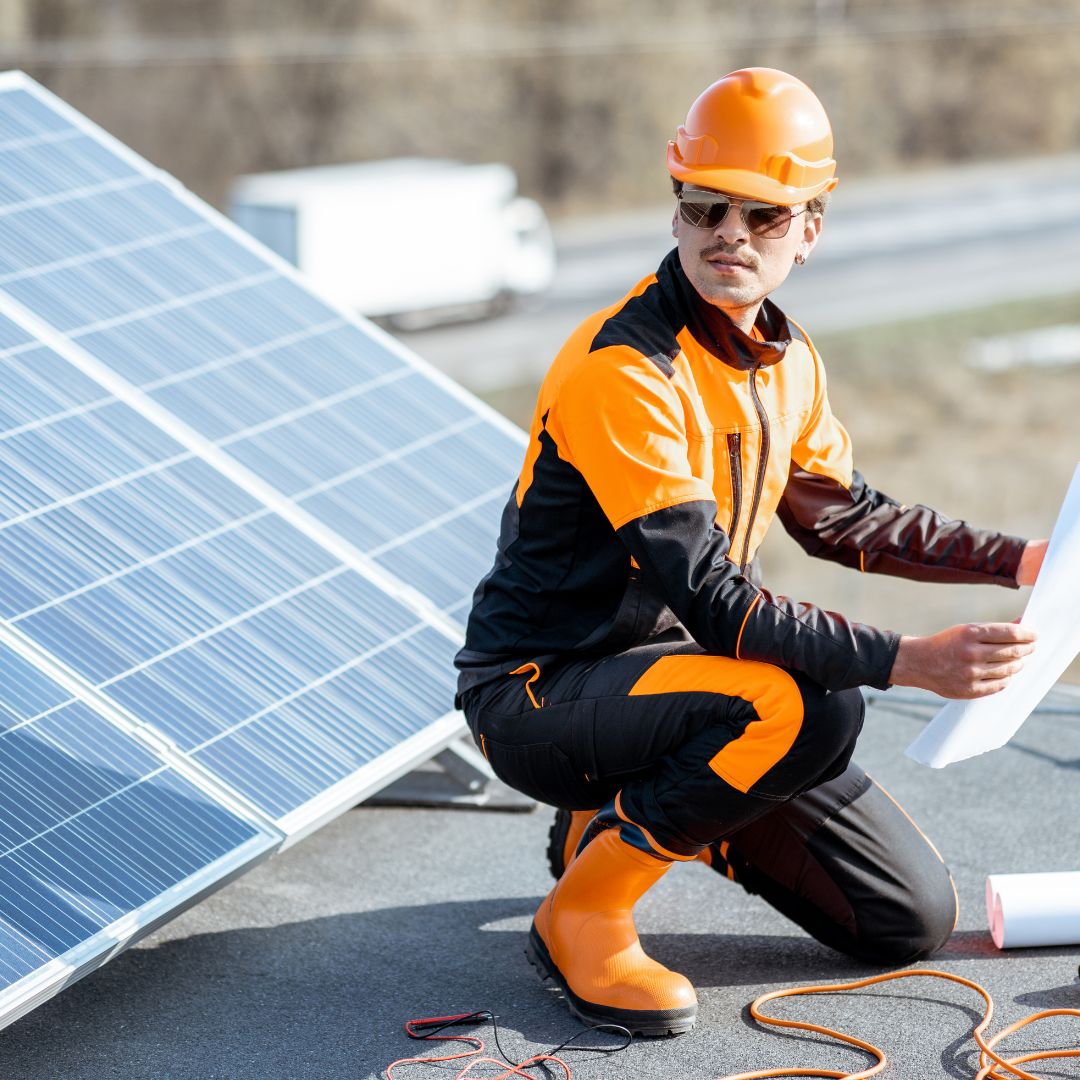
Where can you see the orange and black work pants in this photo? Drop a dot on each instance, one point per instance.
(691, 751)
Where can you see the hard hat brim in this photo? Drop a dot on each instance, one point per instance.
(745, 184)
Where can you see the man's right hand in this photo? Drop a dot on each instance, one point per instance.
(968, 661)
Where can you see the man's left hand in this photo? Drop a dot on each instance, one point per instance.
(1031, 561)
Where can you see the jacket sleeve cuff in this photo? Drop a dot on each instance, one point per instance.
(880, 680)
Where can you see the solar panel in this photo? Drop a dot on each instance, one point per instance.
(172, 299)
(184, 599)
(238, 527)
(100, 837)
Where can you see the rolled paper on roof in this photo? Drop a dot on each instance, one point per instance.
(1034, 909)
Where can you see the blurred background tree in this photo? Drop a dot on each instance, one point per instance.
(579, 97)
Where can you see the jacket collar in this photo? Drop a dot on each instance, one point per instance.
(716, 333)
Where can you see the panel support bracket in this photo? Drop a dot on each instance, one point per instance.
(458, 776)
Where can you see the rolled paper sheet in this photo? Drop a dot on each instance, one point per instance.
(1034, 909)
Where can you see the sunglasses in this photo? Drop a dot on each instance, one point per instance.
(707, 209)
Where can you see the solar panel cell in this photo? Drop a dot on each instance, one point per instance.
(440, 560)
(23, 113)
(12, 335)
(282, 757)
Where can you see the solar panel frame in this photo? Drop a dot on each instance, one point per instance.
(415, 749)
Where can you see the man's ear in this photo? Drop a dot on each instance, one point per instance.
(675, 224)
(811, 233)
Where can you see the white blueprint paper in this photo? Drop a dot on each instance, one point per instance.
(963, 729)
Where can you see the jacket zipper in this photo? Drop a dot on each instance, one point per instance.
(763, 458)
(734, 452)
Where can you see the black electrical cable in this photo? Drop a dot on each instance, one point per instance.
(429, 1028)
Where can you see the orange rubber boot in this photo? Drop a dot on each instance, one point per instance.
(583, 937)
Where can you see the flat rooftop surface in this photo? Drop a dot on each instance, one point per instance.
(309, 965)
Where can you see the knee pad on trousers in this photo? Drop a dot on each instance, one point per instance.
(832, 725)
(919, 930)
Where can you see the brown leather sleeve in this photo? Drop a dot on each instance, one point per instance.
(682, 554)
(865, 529)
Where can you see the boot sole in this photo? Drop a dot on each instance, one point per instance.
(651, 1025)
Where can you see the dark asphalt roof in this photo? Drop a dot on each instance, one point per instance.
(309, 965)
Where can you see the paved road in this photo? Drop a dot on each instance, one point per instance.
(892, 249)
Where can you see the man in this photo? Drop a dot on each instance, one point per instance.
(620, 653)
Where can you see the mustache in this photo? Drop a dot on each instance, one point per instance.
(738, 251)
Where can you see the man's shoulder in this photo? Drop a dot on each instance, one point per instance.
(625, 341)
(800, 340)
(643, 324)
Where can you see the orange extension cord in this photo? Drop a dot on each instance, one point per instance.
(991, 1066)
(990, 1063)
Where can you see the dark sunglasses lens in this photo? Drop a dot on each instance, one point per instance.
(762, 219)
(703, 215)
(769, 221)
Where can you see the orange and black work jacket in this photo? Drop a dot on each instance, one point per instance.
(664, 442)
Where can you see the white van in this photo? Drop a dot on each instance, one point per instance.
(411, 235)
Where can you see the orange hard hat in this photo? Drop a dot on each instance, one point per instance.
(758, 133)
